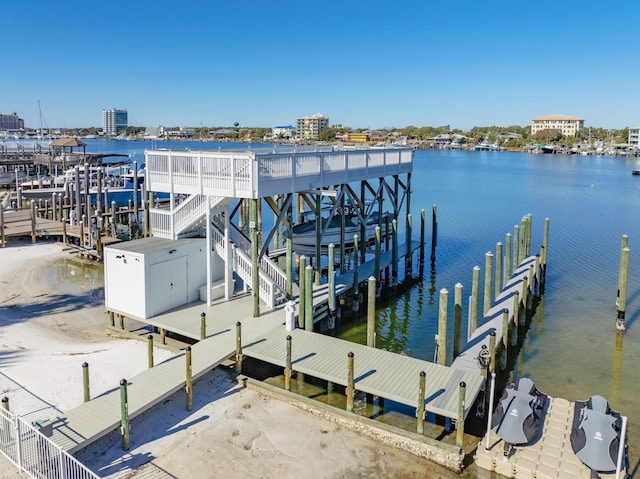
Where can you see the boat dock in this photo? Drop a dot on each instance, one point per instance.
(378, 372)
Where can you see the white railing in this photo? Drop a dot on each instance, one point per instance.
(252, 174)
(169, 224)
(242, 266)
(34, 453)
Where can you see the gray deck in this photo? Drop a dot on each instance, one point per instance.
(467, 360)
(378, 372)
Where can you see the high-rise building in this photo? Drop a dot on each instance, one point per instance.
(311, 126)
(114, 121)
(11, 122)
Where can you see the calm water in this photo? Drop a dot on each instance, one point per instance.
(591, 202)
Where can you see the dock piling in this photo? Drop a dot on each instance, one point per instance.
(302, 264)
(457, 320)
(150, 351)
(505, 337)
(441, 347)
(499, 278)
(378, 247)
(371, 312)
(124, 415)
(408, 258)
(394, 251)
(203, 325)
(287, 369)
(460, 421)
(621, 301)
(420, 412)
(350, 382)
(189, 379)
(238, 347)
(473, 304)
(308, 299)
(85, 382)
(488, 273)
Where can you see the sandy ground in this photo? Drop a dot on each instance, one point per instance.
(48, 329)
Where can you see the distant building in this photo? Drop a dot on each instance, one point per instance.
(283, 131)
(114, 121)
(181, 132)
(153, 132)
(634, 136)
(311, 126)
(567, 125)
(11, 122)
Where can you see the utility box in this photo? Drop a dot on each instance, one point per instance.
(150, 276)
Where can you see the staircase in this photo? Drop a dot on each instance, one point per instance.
(273, 280)
(189, 219)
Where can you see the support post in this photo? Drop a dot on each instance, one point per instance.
(289, 253)
(189, 379)
(378, 247)
(516, 246)
(287, 369)
(238, 347)
(255, 267)
(492, 350)
(434, 234)
(408, 271)
(150, 351)
(442, 327)
(422, 235)
(621, 301)
(488, 273)
(473, 306)
(124, 415)
(308, 299)
(420, 412)
(302, 292)
(203, 325)
(499, 278)
(85, 382)
(371, 312)
(507, 258)
(460, 421)
(331, 279)
(457, 320)
(356, 261)
(505, 336)
(350, 381)
(394, 251)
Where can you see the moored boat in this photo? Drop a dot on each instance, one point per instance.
(304, 234)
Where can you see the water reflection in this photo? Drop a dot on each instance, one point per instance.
(77, 276)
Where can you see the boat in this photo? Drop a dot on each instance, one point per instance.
(596, 435)
(117, 182)
(304, 234)
(635, 172)
(482, 146)
(518, 416)
(550, 149)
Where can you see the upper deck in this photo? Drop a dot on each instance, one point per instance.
(261, 173)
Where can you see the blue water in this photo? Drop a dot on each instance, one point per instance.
(572, 351)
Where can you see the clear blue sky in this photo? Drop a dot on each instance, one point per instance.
(363, 64)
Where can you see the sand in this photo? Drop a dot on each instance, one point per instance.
(48, 329)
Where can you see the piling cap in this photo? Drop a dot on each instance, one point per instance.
(123, 382)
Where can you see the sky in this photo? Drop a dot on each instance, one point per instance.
(373, 64)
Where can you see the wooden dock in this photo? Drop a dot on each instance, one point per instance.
(467, 360)
(378, 372)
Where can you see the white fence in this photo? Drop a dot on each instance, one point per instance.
(34, 453)
(250, 174)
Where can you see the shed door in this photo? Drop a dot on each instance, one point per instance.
(168, 285)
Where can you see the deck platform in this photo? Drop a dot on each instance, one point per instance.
(549, 457)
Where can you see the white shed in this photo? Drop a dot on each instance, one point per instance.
(149, 276)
